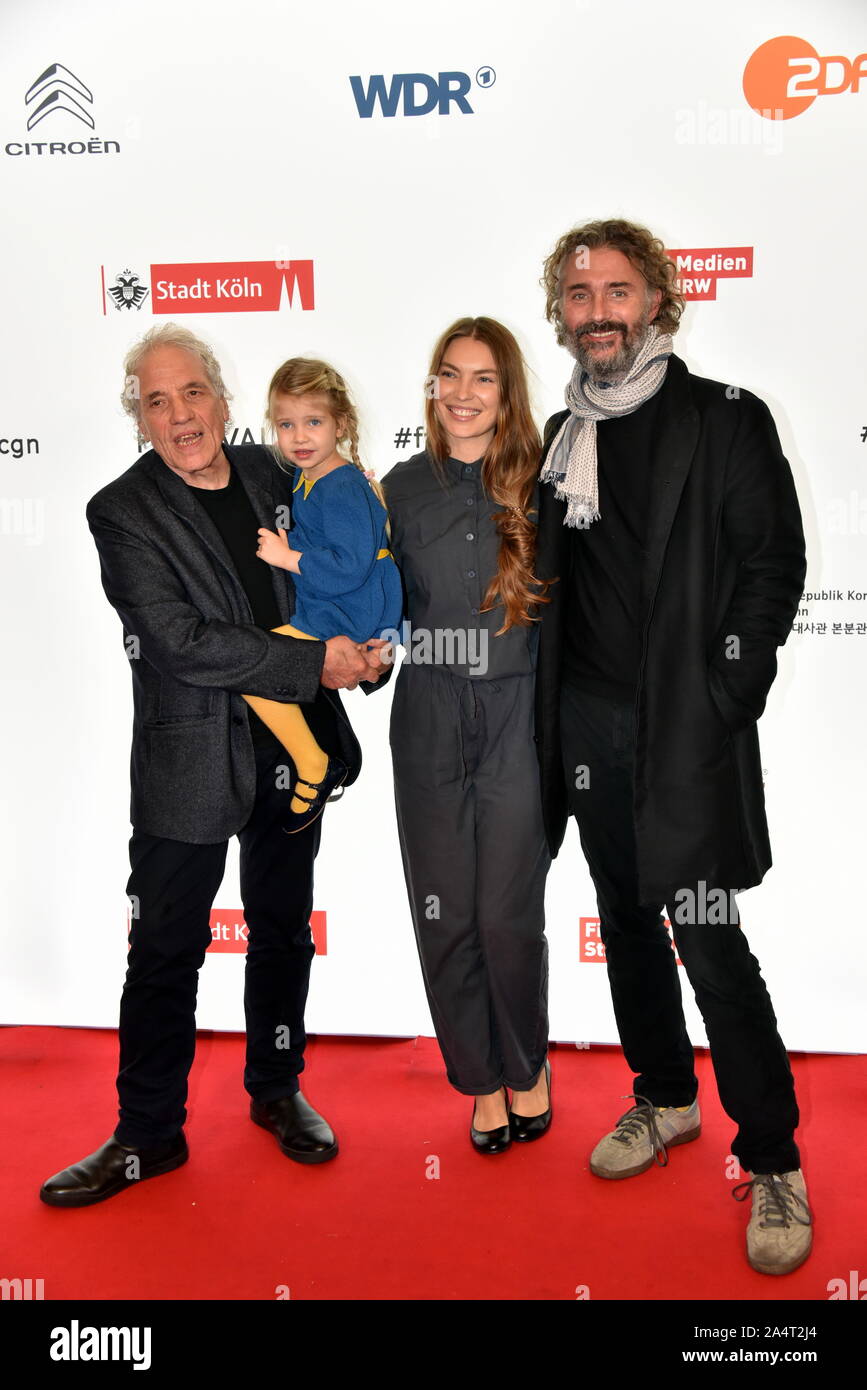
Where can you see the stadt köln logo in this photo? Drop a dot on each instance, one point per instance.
(127, 292)
(212, 287)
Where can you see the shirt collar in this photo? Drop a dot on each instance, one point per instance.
(457, 469)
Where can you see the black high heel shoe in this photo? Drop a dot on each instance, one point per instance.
(524, 1128)
(491, 1141)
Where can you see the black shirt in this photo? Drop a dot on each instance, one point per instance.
(447, 546)
(232, 513)
(605, 616)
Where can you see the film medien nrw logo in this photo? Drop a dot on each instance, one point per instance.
(698, 269)
(591, 949)
(60, 98)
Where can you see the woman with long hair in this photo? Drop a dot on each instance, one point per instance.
(465, 769)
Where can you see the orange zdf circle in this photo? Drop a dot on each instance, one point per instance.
(782, 78)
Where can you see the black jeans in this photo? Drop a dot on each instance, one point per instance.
(749, 1060)
(172, 886)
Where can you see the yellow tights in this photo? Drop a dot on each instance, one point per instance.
(288, 724)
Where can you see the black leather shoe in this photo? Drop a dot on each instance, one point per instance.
(301, 1131)
(491, 1141)
(335, 774)
(110, 1170)
(527, 1127)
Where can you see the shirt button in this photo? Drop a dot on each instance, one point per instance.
(474, 612)
(470, 501)
(470, 536)
(471, 574)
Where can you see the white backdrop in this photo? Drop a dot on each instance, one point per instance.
(186, 135)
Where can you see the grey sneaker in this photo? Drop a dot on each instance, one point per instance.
(780, 1231)
(641, 1136)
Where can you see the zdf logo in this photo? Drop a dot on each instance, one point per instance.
(785, 75)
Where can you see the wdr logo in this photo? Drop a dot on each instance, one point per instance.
(417, 92)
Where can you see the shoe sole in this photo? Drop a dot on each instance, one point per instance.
(322, 1157)
(777, 1269)
(314, 819)
(615, 1174)
(86, 1199)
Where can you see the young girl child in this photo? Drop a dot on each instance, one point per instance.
(346, 581)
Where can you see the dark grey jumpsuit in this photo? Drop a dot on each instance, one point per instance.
(467, 784)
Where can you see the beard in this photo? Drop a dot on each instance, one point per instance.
(614, 366)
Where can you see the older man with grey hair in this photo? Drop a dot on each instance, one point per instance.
(177, 537)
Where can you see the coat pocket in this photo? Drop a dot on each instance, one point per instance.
(181, 766)
(183, 704)
(732, 712)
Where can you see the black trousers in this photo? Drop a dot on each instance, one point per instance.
(172, 886)
(475, 858)
(750, 1062)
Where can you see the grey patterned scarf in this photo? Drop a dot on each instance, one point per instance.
(571, 461)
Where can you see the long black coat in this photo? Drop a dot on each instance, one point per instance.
(724, 558)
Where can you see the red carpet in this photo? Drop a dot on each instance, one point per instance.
(240, 1220)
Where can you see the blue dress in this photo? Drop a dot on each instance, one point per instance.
(348, 582)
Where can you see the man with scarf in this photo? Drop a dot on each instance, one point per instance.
(669, 514)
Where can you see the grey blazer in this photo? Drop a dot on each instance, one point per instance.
(194, 648)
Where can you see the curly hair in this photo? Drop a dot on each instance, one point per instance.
(168, 335)
(510, 470)
(645, 251)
